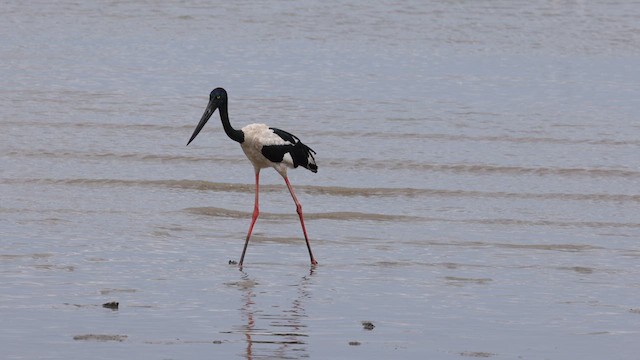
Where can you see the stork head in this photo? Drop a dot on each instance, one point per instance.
(217, 98)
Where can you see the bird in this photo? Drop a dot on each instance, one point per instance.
(265, 147)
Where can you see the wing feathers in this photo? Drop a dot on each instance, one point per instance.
(291, 151)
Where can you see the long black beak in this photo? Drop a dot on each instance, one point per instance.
(211, 107)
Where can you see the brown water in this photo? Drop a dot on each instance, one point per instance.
(477, 193)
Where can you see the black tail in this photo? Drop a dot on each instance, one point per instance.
(305, 157)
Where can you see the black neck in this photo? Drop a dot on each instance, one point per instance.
(234, 134)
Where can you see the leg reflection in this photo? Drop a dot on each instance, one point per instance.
(275, 318)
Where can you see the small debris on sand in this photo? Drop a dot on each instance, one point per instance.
(233, 262)
(354, 343)
(217, 341)
(635, 311)
(100, 337)
(368, 325)
(113, 305)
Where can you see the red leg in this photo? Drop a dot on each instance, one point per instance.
(256, 212)
(299, 211)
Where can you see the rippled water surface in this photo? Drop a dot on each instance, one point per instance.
(477, 193)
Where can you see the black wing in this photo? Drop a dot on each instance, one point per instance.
(301, 154)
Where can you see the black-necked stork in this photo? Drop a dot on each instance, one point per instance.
(265, 147)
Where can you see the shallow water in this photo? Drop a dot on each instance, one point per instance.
(477, 193)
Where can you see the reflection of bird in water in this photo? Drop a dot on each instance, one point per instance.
(265, 147)
(284, 329)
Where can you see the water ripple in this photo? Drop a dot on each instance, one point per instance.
(339, 191)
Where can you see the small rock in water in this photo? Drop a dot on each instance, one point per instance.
(368, 325)
(113, 305)
(354, 343)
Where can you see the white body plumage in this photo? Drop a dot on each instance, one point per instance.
(270, 147)
(256, 136)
